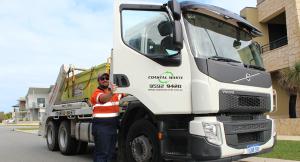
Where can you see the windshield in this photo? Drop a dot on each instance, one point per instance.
(213, 38)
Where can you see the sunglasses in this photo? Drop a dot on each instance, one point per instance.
(104, 78)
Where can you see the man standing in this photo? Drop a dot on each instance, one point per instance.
(105, 120)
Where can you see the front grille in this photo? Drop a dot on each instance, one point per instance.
(242, 117)
(249, 100)
(238, 101)
(248, 137)
(242, 130)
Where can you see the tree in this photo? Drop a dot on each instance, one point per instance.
(8, 116)
(290, 80)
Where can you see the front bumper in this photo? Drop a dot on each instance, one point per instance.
(204, 151)
(236, 136)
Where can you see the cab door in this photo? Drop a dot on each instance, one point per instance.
(145, 63)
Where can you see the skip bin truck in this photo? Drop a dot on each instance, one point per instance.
(197, 89)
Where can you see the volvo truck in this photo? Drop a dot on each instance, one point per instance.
(197, 88)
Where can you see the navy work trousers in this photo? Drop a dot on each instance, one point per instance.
(104, 131)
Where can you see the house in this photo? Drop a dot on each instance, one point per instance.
(280, 23)
(15, 111)
(19, 110)
(36, 102)
(22, 114)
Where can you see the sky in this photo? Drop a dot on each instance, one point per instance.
(38, 36)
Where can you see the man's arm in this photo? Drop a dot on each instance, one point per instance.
(103, 98)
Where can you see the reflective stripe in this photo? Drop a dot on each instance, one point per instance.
(107, 104)
(97, 98)
(105, 115)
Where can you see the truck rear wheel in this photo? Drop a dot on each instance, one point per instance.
(51, 136)
(142, 143)
(66, 143)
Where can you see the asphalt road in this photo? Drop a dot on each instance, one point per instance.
(24, 147)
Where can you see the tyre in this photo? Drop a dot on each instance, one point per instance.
(142, 143)
(52, 136)
(81, 147)
(67, 144)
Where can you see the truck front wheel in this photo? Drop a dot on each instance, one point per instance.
(67, 144)
(142, 143)
(51, 136)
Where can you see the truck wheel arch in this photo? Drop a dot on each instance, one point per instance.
(135, 111)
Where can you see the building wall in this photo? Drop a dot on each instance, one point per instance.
(291, 53)
(31, 100)
(282, 101)
(267, 9)
(22, 105)
(276, 59)
(32, 105)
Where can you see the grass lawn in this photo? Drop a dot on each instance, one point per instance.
(289, 150)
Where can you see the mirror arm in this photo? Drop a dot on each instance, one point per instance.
(169, 12)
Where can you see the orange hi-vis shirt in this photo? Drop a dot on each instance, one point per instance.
(108, 109)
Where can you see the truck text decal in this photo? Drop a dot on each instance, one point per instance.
(167, 81)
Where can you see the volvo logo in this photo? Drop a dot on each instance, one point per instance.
(248, 77)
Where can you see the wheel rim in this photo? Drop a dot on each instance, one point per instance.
(63, 138)
(50, 136)
(141, 149)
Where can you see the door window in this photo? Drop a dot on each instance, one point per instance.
(148, 32)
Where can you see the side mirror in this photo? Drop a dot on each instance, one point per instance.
(177, 35)
(177, 29)
(175, 8)
(171, 45)
(258, 46)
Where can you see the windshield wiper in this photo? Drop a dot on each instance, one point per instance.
(224, 59)
(254, 67)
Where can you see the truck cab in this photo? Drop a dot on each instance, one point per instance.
(198, 87)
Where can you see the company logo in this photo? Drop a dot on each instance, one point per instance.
(164, 78)
(248, 77)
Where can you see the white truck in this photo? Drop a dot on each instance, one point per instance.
(196, 83)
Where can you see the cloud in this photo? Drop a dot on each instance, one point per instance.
(38, 36)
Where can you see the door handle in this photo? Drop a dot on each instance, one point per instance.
(121, 80)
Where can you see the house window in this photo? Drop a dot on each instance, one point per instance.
(41, 102)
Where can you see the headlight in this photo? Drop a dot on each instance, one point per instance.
(212, 133)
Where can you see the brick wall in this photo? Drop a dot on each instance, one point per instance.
(286, 56)
(277, 58)
(289, 127)
(268, 9)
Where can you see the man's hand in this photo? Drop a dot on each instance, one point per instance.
(113, 87)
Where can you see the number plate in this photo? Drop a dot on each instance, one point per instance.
(251, 149)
